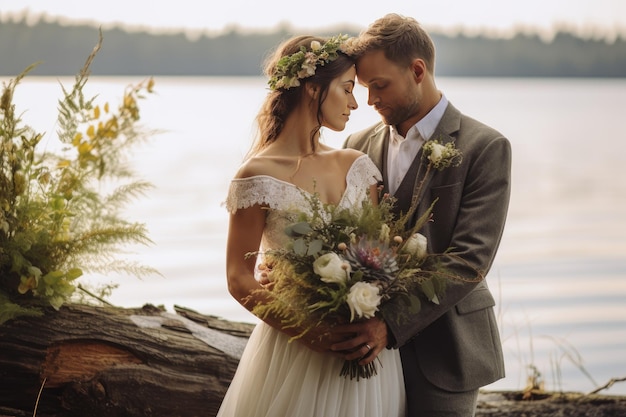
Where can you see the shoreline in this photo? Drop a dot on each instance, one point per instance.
(541, 404)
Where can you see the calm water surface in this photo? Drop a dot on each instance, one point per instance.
(560, 274)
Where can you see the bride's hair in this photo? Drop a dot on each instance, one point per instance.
(280, 102)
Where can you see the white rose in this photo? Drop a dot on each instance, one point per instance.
(437, 153)
(417, 245)
(363, 300)
(331, 268)
(315, 46)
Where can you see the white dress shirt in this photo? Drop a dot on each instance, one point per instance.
(403, 150)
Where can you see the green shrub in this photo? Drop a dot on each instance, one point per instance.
(60, 214)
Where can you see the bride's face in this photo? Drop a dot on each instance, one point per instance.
(339, 101)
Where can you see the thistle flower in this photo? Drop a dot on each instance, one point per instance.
(374, 259)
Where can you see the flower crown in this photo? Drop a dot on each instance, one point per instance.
(292, 68)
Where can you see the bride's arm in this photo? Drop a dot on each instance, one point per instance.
(244, 236)
(374, 194)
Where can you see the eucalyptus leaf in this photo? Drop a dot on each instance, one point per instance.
(315, 247)
(302, 228)
(299, 247)
(415, 305)
(429, 291)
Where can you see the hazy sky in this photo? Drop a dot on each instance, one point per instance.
(586, 16)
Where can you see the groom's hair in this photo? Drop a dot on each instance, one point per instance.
(401, 38)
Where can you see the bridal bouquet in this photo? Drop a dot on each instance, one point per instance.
(342, 264)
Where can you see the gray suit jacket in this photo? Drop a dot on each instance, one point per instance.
(456, 343)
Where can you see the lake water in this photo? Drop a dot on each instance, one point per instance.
(560, 274)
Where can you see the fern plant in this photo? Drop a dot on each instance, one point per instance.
(61, 214)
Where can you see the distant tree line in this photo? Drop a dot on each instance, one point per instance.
(63, 49)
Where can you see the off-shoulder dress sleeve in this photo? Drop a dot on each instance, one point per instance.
(362, 174)
(363, 171)
(263, 190)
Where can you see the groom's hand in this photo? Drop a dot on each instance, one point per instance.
(363, 340)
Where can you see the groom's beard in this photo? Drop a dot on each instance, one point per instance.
(395, 114)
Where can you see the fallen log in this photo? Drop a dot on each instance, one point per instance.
(103, 361)
(86, 361)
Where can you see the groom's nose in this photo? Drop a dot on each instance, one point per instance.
(372, 98)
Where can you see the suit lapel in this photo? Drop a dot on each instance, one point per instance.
(377, 151)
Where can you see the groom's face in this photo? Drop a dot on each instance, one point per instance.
(392, 90)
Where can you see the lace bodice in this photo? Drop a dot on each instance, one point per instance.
(284, 199)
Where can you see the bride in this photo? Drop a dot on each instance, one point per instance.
(311, 82)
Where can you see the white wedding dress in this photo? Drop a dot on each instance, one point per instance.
(278, 378)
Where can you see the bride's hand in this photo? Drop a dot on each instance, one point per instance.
(366, 339)
(264, 277)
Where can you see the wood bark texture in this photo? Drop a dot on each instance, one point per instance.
(105, 361)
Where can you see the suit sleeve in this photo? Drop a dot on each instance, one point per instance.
(476, 229)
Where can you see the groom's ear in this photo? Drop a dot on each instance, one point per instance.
(418, 67)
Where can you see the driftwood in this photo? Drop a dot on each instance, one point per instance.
(95, 361)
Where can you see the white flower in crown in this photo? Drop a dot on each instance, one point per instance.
(348, 45)
(308, 66)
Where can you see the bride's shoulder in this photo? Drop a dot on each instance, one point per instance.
(354, 162)
(252, 167)
(261, 165)
(360, 166)
(345, 157)
(255, 183)
(348, 154)
(352, 158)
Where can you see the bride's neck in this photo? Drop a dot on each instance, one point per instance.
(298, 146)
(295, 138)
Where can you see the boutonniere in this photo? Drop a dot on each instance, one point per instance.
(441, 156)
(437, 156)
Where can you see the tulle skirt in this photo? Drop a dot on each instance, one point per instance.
(276, 378)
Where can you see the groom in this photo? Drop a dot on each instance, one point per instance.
(452, 349)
